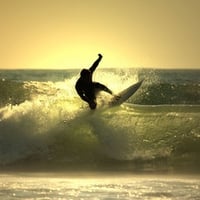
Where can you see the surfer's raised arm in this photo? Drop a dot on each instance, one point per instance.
(102, 87)
(95, 64)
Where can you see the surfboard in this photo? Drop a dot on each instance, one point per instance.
(125, 94)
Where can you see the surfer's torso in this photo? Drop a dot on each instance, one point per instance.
(86, 88)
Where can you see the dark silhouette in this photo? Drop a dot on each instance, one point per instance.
(86, 88)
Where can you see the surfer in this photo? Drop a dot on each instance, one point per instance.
(86, 88)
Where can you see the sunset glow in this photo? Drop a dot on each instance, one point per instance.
(53, 34)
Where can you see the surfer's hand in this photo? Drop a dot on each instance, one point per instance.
(100, 56)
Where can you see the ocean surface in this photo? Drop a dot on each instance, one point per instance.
(46, 128)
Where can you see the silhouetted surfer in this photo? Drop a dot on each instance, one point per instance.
(86, 88)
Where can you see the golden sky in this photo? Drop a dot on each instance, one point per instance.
(70, 33)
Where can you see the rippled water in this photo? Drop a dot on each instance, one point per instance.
(98, 186)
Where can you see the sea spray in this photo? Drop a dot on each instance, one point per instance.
(52, 126)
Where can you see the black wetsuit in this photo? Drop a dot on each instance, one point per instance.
(86, 88)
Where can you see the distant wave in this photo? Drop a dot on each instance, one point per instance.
(158, 88)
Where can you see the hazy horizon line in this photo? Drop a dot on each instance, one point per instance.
(76, 68)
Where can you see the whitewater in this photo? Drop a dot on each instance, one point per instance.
(46, 127)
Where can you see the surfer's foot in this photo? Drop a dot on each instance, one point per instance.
(92, 105)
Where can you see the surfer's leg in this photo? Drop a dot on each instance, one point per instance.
(92, 98)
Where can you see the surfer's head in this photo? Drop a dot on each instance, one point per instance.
(85, 73)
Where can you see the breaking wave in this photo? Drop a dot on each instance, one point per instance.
(44, 122)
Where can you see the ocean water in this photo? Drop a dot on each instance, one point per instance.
(45, 127)
(99, 187)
